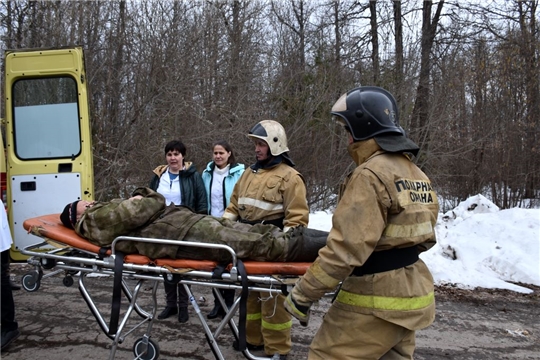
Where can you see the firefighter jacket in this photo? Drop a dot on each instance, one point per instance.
(387, 203)
(191, 187)
(265, 194)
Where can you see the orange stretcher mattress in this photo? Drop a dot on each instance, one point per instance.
(50, 228)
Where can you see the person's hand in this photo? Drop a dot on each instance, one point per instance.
(299, 311)
(136, 197)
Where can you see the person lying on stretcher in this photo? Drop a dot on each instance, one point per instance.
(146, 215)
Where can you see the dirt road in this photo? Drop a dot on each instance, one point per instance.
(56, 323)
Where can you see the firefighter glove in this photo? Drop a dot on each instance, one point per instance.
(299, 311)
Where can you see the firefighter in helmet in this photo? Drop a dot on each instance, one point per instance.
(385, 217)
(271, 191)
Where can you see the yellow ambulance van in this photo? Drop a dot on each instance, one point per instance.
(46, 136)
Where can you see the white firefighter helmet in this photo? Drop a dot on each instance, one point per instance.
(273, 134)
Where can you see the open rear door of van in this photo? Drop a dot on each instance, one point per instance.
(47, 135)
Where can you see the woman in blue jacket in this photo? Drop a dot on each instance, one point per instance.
(180, 184)
(219, 178)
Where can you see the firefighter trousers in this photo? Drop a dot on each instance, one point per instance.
(348, 335)
(268, 323)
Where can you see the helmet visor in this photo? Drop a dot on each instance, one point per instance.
(341, 121)
(258, 130)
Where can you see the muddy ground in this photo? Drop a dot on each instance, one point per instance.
(55, 323)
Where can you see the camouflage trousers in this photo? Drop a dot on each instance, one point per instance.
(258, 242)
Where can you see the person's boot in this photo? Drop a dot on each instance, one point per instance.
(304, 244)
(216, 311)
(183, 315)
(167, 312)
(250, 347)
(14, 285)
(9, 336)
(228, 295)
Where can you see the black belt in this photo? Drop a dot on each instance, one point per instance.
(387, 260)
(276, 222)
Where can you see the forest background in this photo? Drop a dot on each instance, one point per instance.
(466, 76)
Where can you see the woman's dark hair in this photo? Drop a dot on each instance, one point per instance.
(176, 145)
(227, 148)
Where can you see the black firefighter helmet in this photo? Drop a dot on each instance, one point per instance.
(371, 112)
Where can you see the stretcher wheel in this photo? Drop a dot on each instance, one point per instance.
(31, 281)
(152, 351)
(67, 281)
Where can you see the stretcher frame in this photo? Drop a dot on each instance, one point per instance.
(73, 255)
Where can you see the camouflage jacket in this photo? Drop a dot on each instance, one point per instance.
(146, 217)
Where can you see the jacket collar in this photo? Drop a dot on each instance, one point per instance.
(162, 168)
(225, 170)
(360, 151)
(274, 161)
(232, 169)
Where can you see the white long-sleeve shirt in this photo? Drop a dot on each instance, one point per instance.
(170, 189)
(5, 233)
(216, 193)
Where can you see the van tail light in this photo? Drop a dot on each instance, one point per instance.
(3, 188)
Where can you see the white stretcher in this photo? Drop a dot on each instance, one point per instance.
(61, 250)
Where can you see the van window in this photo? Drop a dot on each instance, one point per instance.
(46, 118)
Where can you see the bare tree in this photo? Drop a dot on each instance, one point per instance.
(420, 113)
(374, 41)
(467, 84)
(398, 40)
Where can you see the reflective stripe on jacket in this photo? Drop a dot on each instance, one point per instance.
(387, 202)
